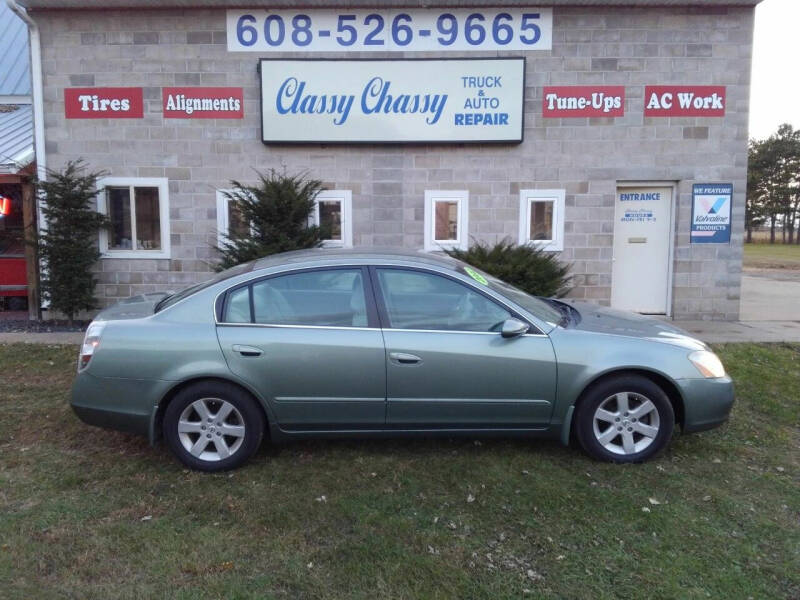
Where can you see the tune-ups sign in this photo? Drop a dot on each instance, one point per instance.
(426, 100)
(583, 101)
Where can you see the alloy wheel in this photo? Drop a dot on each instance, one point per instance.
(626, 423)
(211, 429)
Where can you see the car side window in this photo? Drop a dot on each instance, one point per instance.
(237, 306)
(419, 300)
(332, 298)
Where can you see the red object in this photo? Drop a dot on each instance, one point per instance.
(583, 101)
(5, 205)
(104, 103)
(684, 101)
(203, 102)
(13, 277)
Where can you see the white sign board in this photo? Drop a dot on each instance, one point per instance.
(405, 100)
(379, 30)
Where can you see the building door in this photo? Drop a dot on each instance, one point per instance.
(640, 275)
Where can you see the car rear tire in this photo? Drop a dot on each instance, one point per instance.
(213, 426)
(624, 419)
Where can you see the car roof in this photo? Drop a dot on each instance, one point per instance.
(366, 254)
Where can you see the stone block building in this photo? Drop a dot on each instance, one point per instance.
(624, 146)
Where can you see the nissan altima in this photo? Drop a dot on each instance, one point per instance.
(345, 343)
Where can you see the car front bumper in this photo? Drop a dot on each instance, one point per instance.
(707, 402)
(116, 403)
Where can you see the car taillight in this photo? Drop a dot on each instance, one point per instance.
(90, 343)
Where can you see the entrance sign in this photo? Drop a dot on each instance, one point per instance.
(413, 100)
(203, 102)
(104, 103)
(381, 30)
(684, 101)
(583, 101)
(711, 213)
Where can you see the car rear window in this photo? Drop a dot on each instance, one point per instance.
(193, 289)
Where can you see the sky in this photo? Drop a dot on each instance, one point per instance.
(775, 85)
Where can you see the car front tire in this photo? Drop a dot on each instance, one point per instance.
(624, 419)
(213, 426)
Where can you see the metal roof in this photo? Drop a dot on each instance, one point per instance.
(16, 138)
(106, 4)
(15, 71)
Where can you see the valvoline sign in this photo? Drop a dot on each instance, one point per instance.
(711, 213)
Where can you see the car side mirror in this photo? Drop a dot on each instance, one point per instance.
(514, 328)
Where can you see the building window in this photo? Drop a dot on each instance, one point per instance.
(229, 218)
(138, 212)
(446, 219)
(541, 218)
(333, 211)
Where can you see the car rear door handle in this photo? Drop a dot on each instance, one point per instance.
(247, 350)
(402, 358)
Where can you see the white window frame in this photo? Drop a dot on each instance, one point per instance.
(162, 183)
(462, 225)
(223, 218)
(345, 198)
(558, 198)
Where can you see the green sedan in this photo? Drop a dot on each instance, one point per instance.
(345, 343)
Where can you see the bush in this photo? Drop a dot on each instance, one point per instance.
(277, 211)
(531, 269)
(68, 245)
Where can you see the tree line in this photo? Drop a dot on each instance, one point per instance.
(773, 185)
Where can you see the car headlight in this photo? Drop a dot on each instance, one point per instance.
(90, 342)
(707, 363)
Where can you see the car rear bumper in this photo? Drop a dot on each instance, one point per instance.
(707, 402)
(115, 403)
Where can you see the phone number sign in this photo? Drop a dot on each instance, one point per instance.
(416, 30)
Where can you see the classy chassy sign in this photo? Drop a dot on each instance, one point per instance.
(403, 30)
(103, 103)
(463, 100)
(711, 213)
(583, 101)
(684, 101)
(203, 102)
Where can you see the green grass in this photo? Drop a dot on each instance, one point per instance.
(87, 513)
(772, 256)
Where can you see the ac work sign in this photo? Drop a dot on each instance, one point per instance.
(422, 100)
(684, 101)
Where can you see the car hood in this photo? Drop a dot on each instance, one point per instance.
(134, 307)
(600, 319)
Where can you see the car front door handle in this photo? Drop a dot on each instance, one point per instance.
(247, 350)
(402, 358)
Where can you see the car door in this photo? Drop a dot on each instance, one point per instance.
(309, 341)
(447, 364)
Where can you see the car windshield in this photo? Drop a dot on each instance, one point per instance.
(171, 299)
(536, 306)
